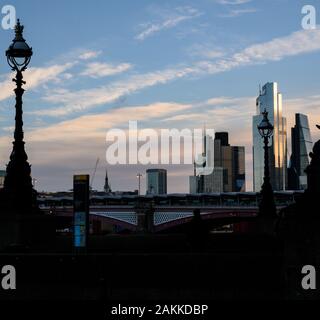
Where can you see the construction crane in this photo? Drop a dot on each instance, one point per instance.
(94, 173)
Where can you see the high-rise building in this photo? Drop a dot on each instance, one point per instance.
(232, 160)
(227, 167)
(238, 169)
(270, 99)
(301, 147)
(156, 181)
(207, 177)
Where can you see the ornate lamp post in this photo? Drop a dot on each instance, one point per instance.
(18, 190)
(267, 205)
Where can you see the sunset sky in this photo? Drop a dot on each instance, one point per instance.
(167, 64)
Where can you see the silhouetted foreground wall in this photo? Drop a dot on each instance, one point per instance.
(231, 268)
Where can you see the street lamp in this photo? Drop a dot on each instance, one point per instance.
(267, 205)
(21, 197)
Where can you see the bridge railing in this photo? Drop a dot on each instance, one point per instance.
(248, 199)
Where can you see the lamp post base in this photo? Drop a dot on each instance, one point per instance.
(22, 223)
(267, 207)
(21, 232)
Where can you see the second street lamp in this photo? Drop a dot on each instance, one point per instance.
(267, 205)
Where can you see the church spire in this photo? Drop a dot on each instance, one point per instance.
(107, 187)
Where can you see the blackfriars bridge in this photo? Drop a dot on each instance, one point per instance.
(157, 213)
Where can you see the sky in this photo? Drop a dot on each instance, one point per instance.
(167, 64)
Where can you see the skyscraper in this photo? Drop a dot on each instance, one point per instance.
(232, 160)
(156, 181)
(238, 169)
(227, 165)
(270, 99)
(207, 177)
(301, 147)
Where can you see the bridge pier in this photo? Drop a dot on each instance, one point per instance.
(145, 218)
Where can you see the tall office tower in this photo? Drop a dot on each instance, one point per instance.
(156, 181)
(107, 187)
(238, 169)
(232, 160)
(270, 99)
(207, 178)
(227, 164)
(301, 147)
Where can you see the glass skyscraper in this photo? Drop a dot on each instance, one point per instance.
(270, 99)
(301, 147)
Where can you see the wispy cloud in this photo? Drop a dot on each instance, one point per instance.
(35, 77)
(300, 42)
(222, 109)
(89, 55)
(91, 126)
(75, 101)
(181, 14)
(100, 69)
(238, 12)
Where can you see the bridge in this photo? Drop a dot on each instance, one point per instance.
(162, 212)
(157, 220)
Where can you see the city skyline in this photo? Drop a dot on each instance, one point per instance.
(125, 103)
(78, 88)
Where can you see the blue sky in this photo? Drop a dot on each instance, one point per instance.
(98, 64)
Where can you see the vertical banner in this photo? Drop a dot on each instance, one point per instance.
(81, 210)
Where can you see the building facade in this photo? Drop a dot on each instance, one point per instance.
(225, 165)
(213, 182)
(270, 99)
(232, 160)
(156, 181)
(301, 143)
